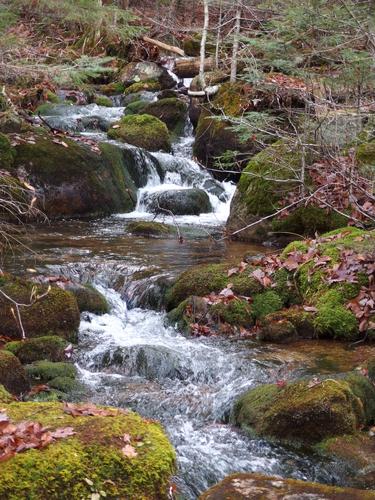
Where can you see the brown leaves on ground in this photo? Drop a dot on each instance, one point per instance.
(16, 438)
(363, 307)
(91, 410)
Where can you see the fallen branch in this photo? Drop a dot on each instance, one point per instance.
(164, 46)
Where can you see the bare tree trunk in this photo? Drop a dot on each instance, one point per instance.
(218, 36)
(203, 43)
(237, 29)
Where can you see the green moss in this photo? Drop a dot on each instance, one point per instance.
(294, 246)
(237, 312)
(7, 153)
(201, 280)
(304, 412)
(135, 107)
(148, 85)
(171, 111)
(150, 228)
(90, 300)
(278, 331)
(50, 348)
(5, 396)
(46, 370)
(103, 101)
(52, 97)
(285, 287)
(91, 461)
(365, 391)
(12, 374)
(56, 313)
(232, 99)
(308, 221)
(266, 303)
(333, 319)
(65, 384)
(144, 131)
(365, 153)
(114, 88)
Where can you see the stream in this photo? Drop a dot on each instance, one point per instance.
(130, 358)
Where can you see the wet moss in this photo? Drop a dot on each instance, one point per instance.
(91, 461)
(55, 314)
(135, 107)
(112, 88)
(49, 348)
(232, 99)
(90, 300)
(47, 370)
(5, 396)
(66, 385)
(171, 111)
(334, 319)
(150, 228)
(266, 303)
(308, 221)
(237, 313)
(103, 101)
(12, 374)
(144, 131)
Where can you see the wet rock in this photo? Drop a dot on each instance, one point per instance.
(287, 325)
(86, 461)
(55, 312)
(51, 348)
(88, 298)
(278, 331)
(138, 96)
(147, 293)
(145, 86)
(307, 411)
(136, 72)
(12, 374)
(179, 202)
(144, 131)
(135, 107)
(171, 111)
(256, 486)
(150, 228)
(74, 180)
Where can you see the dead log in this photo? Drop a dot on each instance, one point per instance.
(189, 67)
(164, 46)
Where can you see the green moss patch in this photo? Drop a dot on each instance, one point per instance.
(103, 101)
(46, 370)
(171, 111)
(147, 85)
(12, 374)
(49, 348)
(150, 228)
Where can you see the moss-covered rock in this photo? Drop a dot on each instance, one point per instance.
(103, 100)
(150, 228)
(135, 107)
(146, 71)
(148, 85)
(280, 331)
(232, 99)
(51, 348)
(5, 396)
(203, 279)
(333, 318)
(114, 88)
(47, 370)
(74, 180)
(237, 313)
(211, 78)
(171, 111)
(287, 325)
(144, 131)
(265, 183)
(307, 411)
(12, 374)
(257, 486)
(192, 201)
(7, 153)
(90, 462)
(266, 303)
(66, 385)
(88, 298)
(54, 314)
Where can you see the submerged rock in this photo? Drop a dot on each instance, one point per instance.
(12, 374)
(307, 411)
(178, 201)
(90, 461)
(144, 131)
(258, 486)
(55, 313)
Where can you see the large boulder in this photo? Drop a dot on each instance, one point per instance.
(103, 453)
(178, 201)
(307, 411)
(136, 72)
(171, 111)
(51, 348)
(144, 131)
(54, 313)
(269, 178)
(257, 486)
(72, 180)
(12, 374)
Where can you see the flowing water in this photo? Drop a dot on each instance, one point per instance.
(130, 358)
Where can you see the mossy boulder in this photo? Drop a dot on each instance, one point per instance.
(114, 88)
(203, 279)
(148, 86)
(7, 153)
(307, 411)
(192, 201)
(333, 318)
(102, 100)
(232, 99)
(146, 71)
(192, 45)
(265, 183)
(5, 396)
(211, 78)
(54, 314)
(281, 331)
(287, 325)
(135, 107)
(74, 180)
(91, 462)
(171, 111)
(47, 370)
(150, 228)
(51, 348)
(143, 131)
(12, 374)
(89, 299)
(255, 486)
